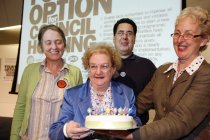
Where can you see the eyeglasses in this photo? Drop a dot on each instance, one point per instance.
(185, 36)
(103, 67)
(122, 33)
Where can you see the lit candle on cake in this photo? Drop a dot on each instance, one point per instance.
(115, 111)
(107, 111)
(120, 111)
(102, 111)
(89, 110)
(125, 110)
(97, 111)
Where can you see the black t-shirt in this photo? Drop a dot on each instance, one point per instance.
(136, 72)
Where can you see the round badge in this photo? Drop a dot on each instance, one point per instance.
(122, 74)
(61, 83)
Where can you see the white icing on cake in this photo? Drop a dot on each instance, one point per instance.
(118, 122)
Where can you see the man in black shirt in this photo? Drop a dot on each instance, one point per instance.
(136, 71)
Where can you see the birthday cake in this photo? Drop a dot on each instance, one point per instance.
(107, 120)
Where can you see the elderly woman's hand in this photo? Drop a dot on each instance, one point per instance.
(74, 131)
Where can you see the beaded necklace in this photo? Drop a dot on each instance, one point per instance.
(105, 102)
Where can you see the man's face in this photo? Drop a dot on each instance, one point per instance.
(124, 39)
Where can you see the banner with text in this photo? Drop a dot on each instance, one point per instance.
(88, 21)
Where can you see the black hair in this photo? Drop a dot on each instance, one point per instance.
(125, 20)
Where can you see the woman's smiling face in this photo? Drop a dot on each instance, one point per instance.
(186, 48)
(52, 45)
(100, 70)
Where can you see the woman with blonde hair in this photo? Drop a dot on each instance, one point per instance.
(102, 62)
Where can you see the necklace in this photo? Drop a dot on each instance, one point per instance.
(100, 95)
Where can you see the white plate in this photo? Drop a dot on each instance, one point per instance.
(134, 128)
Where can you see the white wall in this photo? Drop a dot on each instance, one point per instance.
(7, 101)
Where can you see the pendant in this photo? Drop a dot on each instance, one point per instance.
(100, 95)
(122, 74)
